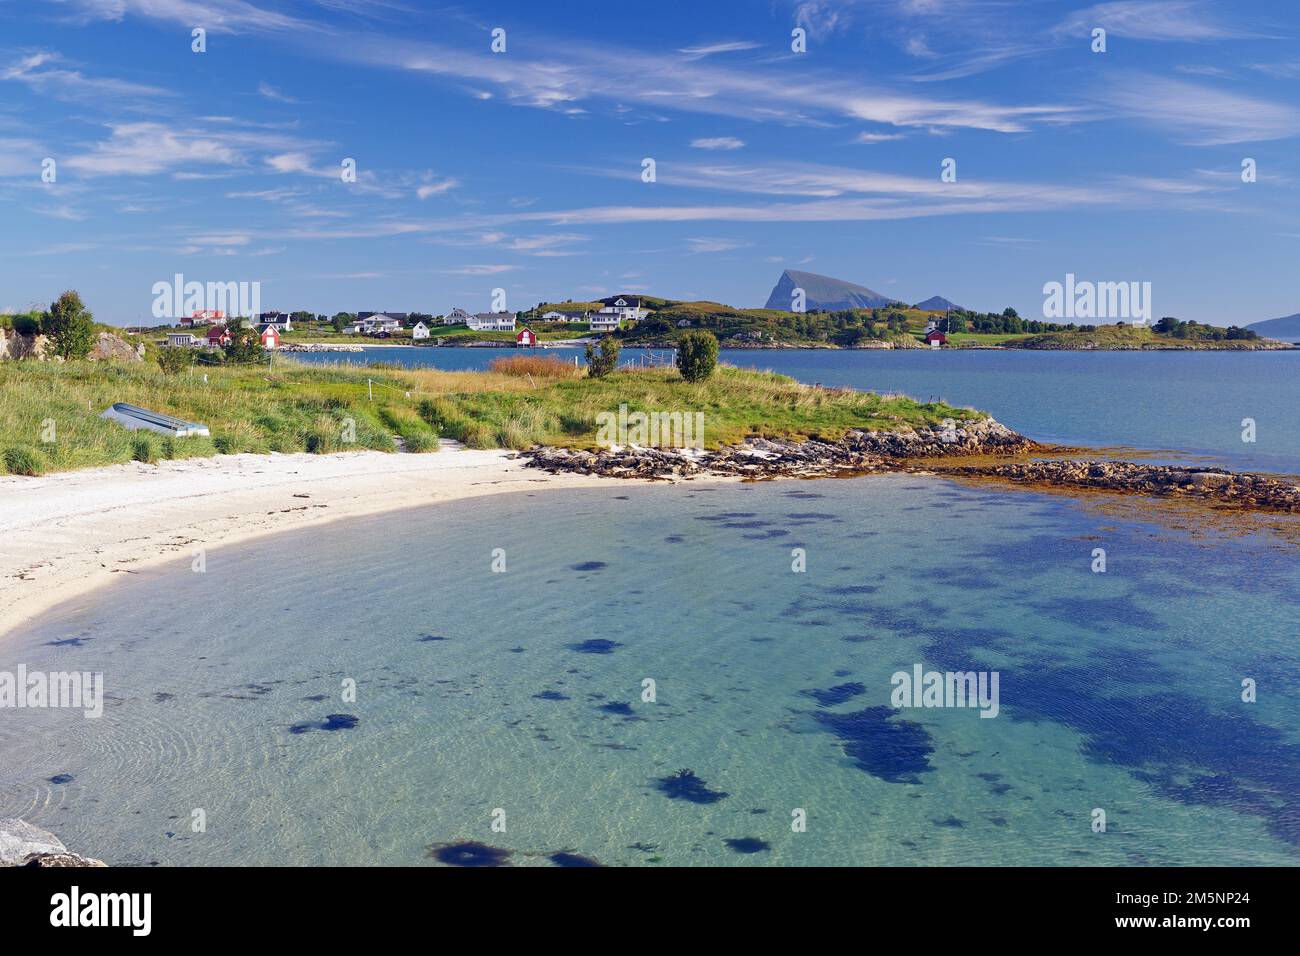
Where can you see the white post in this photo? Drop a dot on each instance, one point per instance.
(370, 387)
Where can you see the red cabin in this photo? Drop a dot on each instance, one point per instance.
(219, 335)
(936, 339)
(270, 338)
(525, 337)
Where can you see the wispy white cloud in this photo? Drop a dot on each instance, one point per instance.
(269, 92)
(41, 72)
(714, 245)
(717, 142)
(733, 46)
(1198, 114)
(1170, 20)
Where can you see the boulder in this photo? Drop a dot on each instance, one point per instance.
(22, 844)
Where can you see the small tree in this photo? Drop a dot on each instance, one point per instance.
(70, 327)
(600, 364)
(697, 355)
(245, 345)
(176, 358)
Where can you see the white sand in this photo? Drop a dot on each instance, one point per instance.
(66, 534)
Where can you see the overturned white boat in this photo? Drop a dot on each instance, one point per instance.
(133, 417)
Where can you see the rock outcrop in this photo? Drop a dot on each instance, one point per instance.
(107, 346)
(932, 451)
(22, 844)
(110, 346)
(856, 452)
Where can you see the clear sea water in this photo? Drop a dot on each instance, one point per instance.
(522, 691)
(1189, 405)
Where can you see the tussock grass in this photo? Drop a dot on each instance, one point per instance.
(537, 366)
(298, 407)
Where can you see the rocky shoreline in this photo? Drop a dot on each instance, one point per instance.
(930, 451)
(23, 844)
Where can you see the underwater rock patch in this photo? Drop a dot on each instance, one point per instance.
(468, 853)
(685, 785)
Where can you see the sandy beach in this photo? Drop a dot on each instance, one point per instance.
(66, 534)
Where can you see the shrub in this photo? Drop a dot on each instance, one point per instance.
(420, 441)
(697, 355)
(546, 367)
(175, 359)
(26, 324)
(23, 461)
(600, 364)
(70, 327)
(144, 447)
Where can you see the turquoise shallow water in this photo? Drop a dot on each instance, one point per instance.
(479, 691)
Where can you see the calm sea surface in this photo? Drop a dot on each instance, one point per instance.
(1189, 403)
(523, 693)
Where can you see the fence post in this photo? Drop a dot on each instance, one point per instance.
(370, 387)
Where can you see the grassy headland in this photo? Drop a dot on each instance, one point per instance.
(297, 407)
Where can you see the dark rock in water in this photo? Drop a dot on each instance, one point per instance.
(331, 722)
(572, 859)
(685, 785)
(674, 539)
(881, 743)
(468, 853)
(950, 822)
(834, 695)
(749, 845)
(597, 645)
(622, 708)
(68, 642)
(588, 566)
(426, 638)
(59, 778)
(551, 695)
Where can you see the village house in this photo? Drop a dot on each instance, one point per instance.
(280, 320)
(624, 307)
(204, 317)
(525, 338)
(181, 340)
(368, 322)
(491, 322)
(218, 336)
(419, 331)
(457, 317)
(603, 321)
(936, 339)
(270, 337)
(564, 316)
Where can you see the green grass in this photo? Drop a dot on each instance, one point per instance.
(1125, 337)
(296, 407)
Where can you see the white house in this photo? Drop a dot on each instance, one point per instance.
(554, 316)
(603, 321)
(375, 322)
(281, 321)
(181, 340)
(491, 322)
(624, 307)
(457, 317)
(419, 331)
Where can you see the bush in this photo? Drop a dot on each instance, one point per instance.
(26, 324)
(175, 359)
(697, 355)
(23, 461)
(144, 448)
(600, 364)
(70, 326)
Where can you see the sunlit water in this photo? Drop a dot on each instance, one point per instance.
(1191, 403)
(479, 691)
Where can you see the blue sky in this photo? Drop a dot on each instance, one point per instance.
(523, 170)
